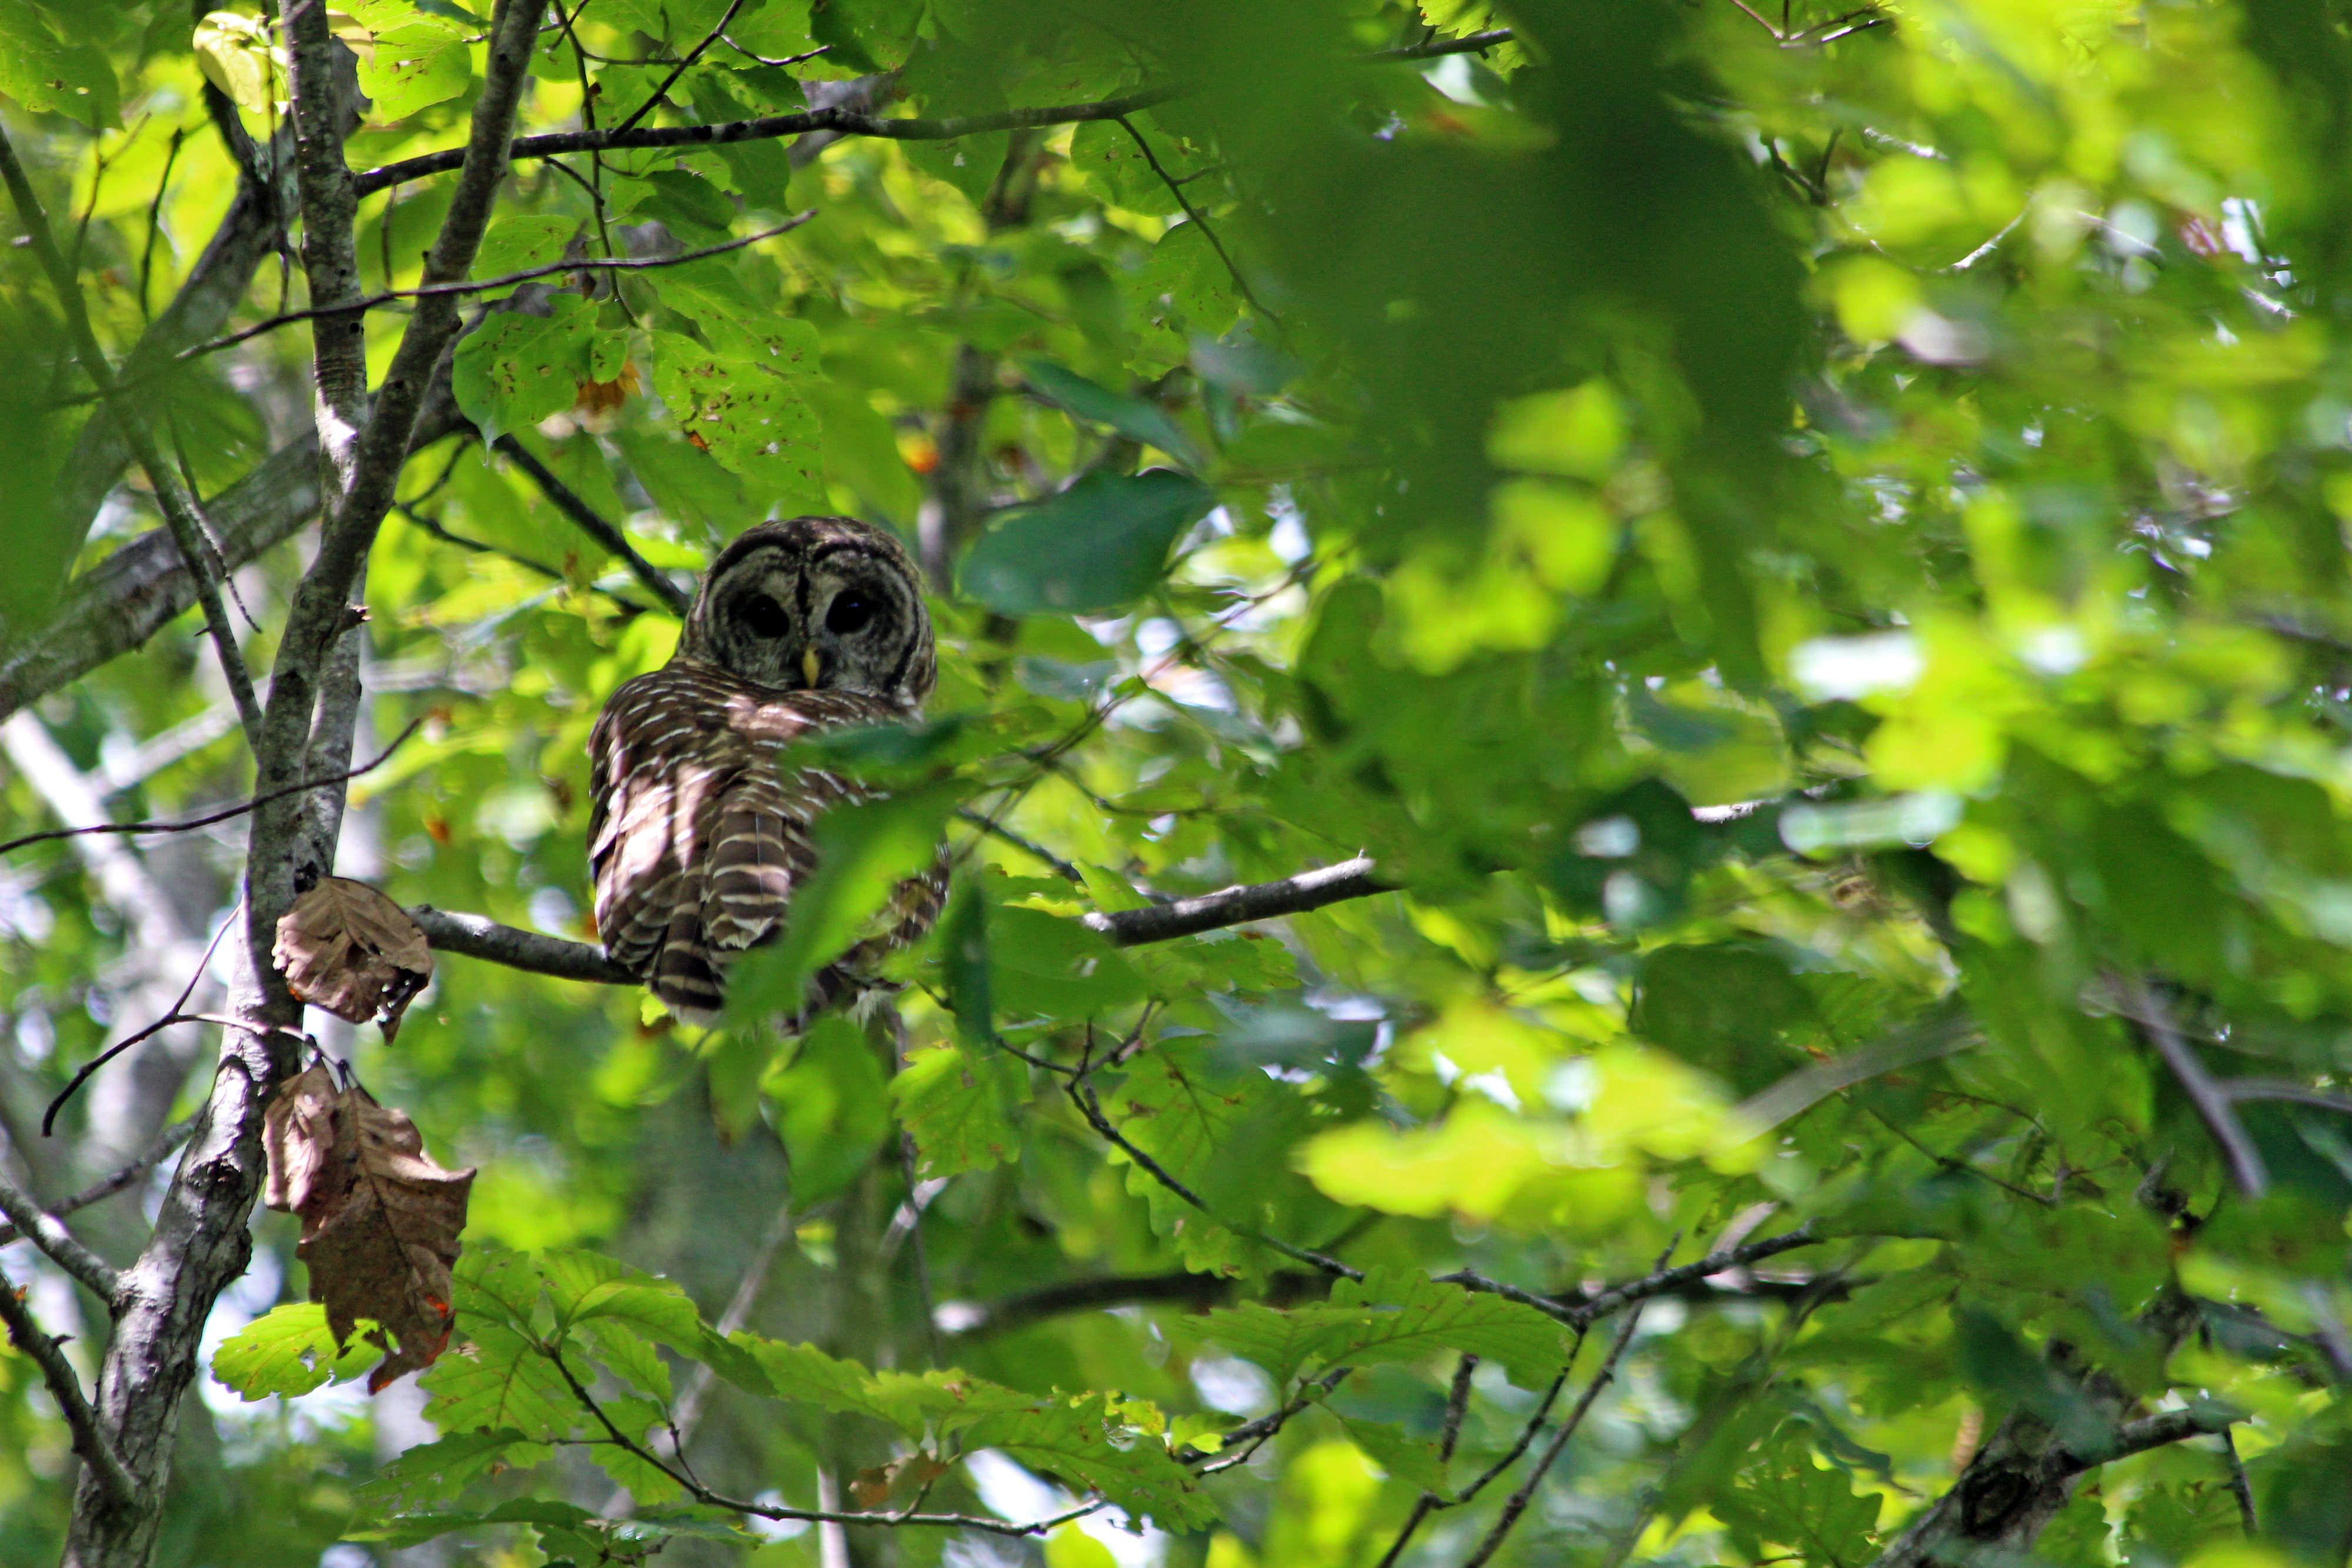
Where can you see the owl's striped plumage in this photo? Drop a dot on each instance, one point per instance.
(697, 837)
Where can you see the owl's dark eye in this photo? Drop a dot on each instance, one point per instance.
(850, 612)
(765, 617)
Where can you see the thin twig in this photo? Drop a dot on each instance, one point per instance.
(2210, 1101)
(584, 516)
(166, 1143)
(680, 69)
(432, 526)
(787, 60)
(172, 1015)
(436, 291)
(1027, 846)
(1082, 1095)
(1198, 217)
(178, 507)
(2238, 1487)
(769, 128)
(1457, 1403)
(222, 816)
(1435, 47)
(89, 1437)
(156, 218)
(1517, 1504)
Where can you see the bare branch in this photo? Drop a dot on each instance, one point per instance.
(1516, 1503)
(679, 70)
(1665, 1281)
(1435, 47)
(585, 517)
(477, 936)
(221, 816)
(2210, 1101)
(842, 121)
(106, 1467)
(171, 1138)
(436, 291)
(44, 1230)
(1238, 905)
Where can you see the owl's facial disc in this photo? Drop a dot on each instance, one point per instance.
(759, 624)
(861, 626)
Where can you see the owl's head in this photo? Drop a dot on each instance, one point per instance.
(816, 604)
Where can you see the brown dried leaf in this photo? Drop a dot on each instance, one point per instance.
(380, 1219)
(348, 948)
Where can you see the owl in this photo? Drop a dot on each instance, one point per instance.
(697, 837)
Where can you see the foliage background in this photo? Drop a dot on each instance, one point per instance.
(1811, 549)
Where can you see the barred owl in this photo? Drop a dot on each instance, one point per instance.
(696, 836)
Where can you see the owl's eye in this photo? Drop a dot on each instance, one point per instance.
(765, 617)
(850, 612)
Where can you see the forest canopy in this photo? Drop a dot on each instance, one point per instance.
(1644, 728)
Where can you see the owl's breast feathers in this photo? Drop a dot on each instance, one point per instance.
(697, 839)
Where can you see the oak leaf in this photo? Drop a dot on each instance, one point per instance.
(348, 948)
(380, 1219)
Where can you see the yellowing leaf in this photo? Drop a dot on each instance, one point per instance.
(237, 56)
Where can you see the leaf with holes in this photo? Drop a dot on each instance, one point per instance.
(516, 369)
(287, 1350)
(752, 420)
(348, 948)
(960, 1103)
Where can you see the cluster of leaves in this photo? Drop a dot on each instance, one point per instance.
(1810, 553)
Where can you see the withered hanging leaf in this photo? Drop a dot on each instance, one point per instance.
(348, 948)
(380, 1219)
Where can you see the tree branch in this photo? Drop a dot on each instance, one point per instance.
(478, 936)
(1516, 1503)
(105, 1466)
(171, 1138)
(2210, 1101)
(1239, 905)
(43, 1230)
(583, 516)
(436, 290)
(842, 121)
(178, 507)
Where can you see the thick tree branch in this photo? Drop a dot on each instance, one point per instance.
(477, 936)
(104, 1466)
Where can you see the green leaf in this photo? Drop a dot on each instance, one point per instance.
(419, 60)
(1786, 1500)
(963, 954)
(433, 1471)
(866, 853)
(1396, 1315)
(1042, 964)
(521, 241)
(751, 419)
(1098, 545)
(49, 77)
(499, 1378)
(289, 1349)
(960, 1103)
(516, 369)
(1412, 1460)
(931, 1402)
(1147, 423)
(1085, 1442)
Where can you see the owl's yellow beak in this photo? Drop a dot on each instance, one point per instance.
(809, 665)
